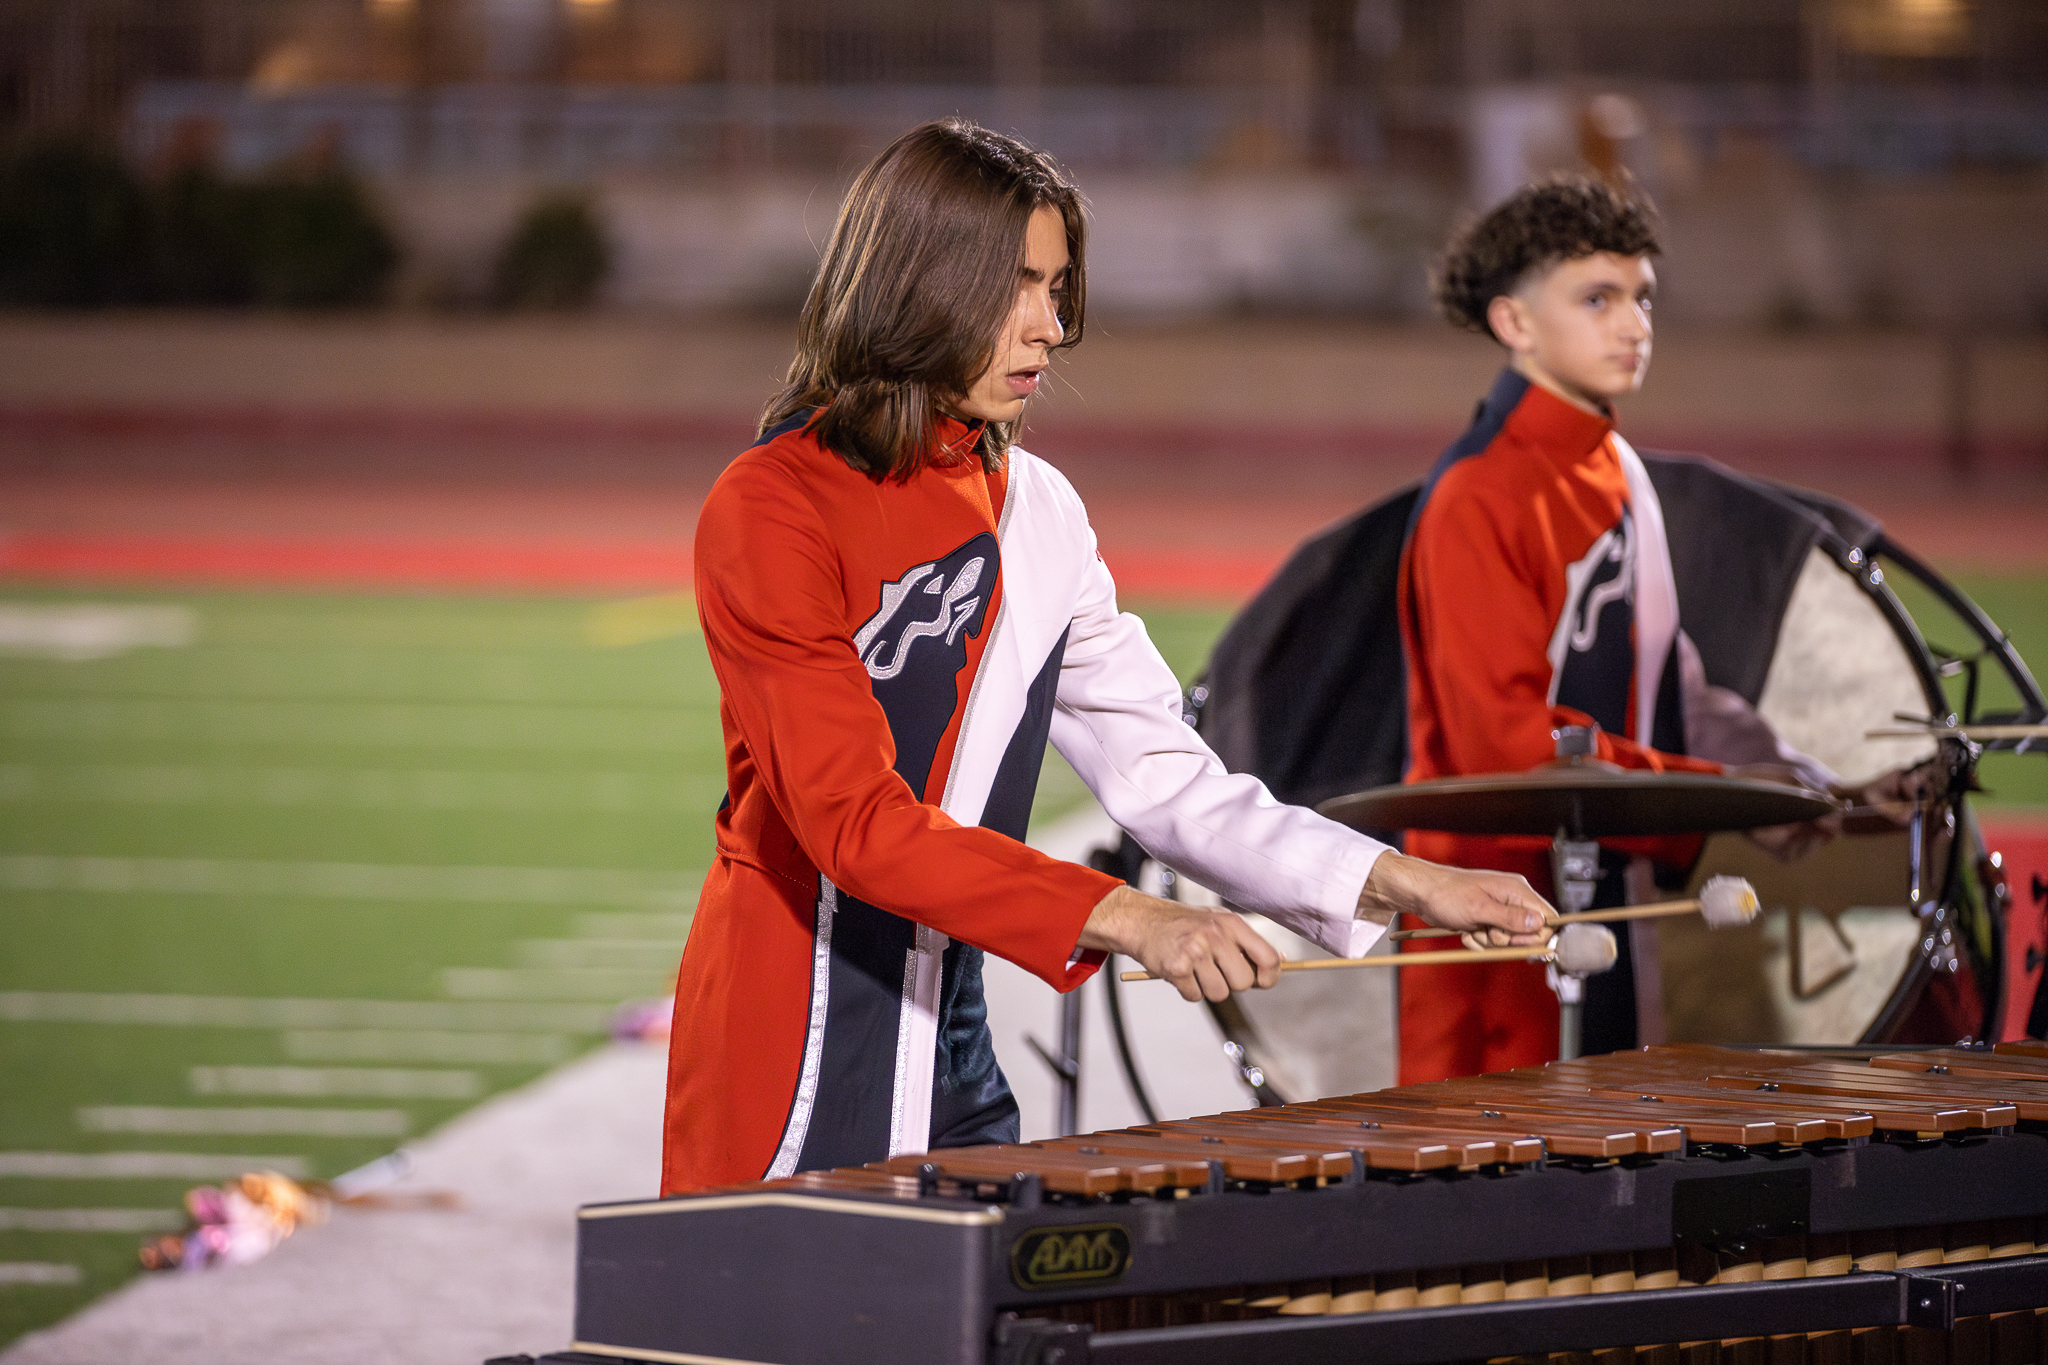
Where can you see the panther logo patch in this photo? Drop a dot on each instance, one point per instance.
(915, 645)
(1592, 648)
(885, 651)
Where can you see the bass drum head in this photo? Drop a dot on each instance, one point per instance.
(1840, 671)
(1819, 965)
(1838, 941)
(1315, 1034)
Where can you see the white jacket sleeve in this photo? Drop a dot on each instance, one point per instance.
(1117, 720)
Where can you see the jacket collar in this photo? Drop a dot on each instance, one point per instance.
(1536, 416)
(955, 438)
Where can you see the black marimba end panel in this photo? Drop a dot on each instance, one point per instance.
(786, 1278)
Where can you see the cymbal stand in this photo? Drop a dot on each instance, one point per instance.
(1574, 877)
(1125, 860)
(1065, 1064)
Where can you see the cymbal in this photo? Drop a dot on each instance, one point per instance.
(1586, 800)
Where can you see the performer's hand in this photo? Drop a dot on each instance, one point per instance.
(1788, 843)
(1489, 909)
(1206, 954)
(1893, 796)
(1885, 802)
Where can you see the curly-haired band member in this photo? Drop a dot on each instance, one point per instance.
(1536, 591)
(902, 606)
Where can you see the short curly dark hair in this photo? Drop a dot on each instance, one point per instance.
(1560, 219)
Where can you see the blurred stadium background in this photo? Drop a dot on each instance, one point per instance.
(364, 362)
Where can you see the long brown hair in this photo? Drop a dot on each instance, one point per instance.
(918, 280)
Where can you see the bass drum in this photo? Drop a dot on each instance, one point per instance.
(1878, 937)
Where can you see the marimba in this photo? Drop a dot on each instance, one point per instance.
(1674, 1206)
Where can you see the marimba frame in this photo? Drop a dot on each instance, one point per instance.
(769, 1274)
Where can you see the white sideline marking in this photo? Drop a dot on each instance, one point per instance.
(227, 1011)
(306, 1082)
(554, 983)
(352, 881)
(319, 1123)
(437, 789)
(619, 954)
(39, 1272)
(76, 632)
(426, 1045)
(144, 1165)
(91, 1220)
(667, 928)
(353, 724)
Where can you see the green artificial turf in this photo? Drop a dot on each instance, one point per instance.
(330, 801)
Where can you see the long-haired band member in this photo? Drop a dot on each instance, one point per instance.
(902, 607)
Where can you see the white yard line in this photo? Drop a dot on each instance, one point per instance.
(144, 1165)
(308, 1082)
(375, 725)
(610, 984)
(79, 631)
(424, 789)
(427, 1045)
(228, 1011)
(594, 886)
(130, 1221)
(281, 1122)
(621, 954)
(666, 928)
(39, 1272)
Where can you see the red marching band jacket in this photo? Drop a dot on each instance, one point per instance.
(892, 659)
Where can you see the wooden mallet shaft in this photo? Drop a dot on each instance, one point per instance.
(1724, 902)
(1621, 912)
(1399, 960)
(1577, 949)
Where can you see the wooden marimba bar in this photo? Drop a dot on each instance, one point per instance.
(1674, 1206)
